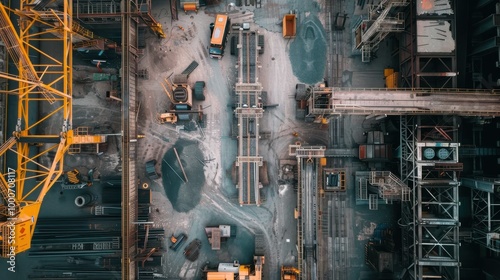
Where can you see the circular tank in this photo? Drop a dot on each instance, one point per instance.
(429, 153)
(181, 94)
(83, 200)
(443, 153)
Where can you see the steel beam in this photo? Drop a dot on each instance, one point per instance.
(486, 24)
(486, 46)
(483, 3)
(480, 184)
(485, 219)
(129, 142)
(334, 101)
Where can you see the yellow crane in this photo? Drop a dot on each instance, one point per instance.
(47, 84)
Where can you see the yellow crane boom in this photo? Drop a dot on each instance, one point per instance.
(47, 84)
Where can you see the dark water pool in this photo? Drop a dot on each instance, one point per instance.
(184, 196)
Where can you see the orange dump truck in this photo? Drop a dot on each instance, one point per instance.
(289, 26)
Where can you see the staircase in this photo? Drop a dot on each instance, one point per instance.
(390, 187)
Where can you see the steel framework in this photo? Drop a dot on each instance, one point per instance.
(485, 211)
(390, 187)
(47, 84)
(424, 59)
(110, 11)
(248, 111)
(129, 190)
(308, 162)
(430, 220)
(383, 19)
(323, 101)
(486, 219)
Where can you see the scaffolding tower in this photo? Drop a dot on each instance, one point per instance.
(485, 196)
(308, 163)
(110, 12)
(430, 219)
(383, 19)
(390, 187)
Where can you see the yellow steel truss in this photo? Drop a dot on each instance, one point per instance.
(46, 84)
(144, 12)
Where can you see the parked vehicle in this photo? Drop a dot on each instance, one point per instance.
(220, 30)
(177, 241)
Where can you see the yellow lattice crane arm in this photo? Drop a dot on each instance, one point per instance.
(35, 154)
(144, 12)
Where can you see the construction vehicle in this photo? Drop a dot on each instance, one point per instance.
(192, 251)
(177, 241)
(181, 94)
(167, 118)
(289, 25)
(219, 30)
(151, 170)
(289, 273)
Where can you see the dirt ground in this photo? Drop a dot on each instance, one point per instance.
(216, 203)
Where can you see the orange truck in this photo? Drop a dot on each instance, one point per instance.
(289, 26)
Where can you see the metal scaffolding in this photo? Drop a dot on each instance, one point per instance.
(430, 219)
(45, 81)
(485, 195)
(390, 187)
(383, 19)
(308, 163)
(248, 111)
(427, 51)
(110, 12)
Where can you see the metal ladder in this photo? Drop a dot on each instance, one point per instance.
(366, 53)
(373, 202)
(363, 189)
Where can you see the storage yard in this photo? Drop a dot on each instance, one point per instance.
(250, 139)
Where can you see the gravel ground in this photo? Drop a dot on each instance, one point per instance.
(209, 197)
